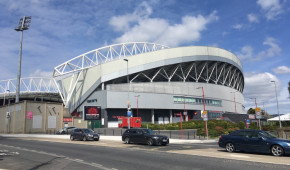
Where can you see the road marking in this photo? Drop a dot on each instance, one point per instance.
(59, 156)
(240, 156)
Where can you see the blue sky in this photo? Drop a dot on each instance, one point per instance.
(256, 31)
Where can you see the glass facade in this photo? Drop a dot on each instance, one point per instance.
(197, 101)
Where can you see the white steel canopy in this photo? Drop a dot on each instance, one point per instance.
(105, 54)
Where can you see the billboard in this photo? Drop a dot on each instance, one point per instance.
(92, 112)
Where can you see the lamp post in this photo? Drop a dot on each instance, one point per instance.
(235, 101)
(137, 105)
(128, 94)
(23, 24)
(204, 110)
(277, 103)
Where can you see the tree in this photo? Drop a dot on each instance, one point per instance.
(251, 111)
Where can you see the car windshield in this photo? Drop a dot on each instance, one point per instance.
(88, 131)
(267, 135)
(149, 131)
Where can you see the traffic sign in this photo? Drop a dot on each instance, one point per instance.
(129, 113)
(258, 113)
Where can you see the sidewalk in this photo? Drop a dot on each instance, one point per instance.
(111, 138)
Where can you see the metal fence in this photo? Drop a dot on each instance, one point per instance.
(173, 134)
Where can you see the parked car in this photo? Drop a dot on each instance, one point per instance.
(254, 141)
(66, 130)
(145, 136)
(84, 134)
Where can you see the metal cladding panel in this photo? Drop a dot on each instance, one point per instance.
(160, 96)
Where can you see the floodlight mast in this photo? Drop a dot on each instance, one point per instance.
(23, 24)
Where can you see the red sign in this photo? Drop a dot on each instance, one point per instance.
(92, 112)
(67, 119)
(29, 115)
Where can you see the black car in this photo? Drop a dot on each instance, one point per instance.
(145, 136)
(66, 130)
(254, 141)
(84, 134)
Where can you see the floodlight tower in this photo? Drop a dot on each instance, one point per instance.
(23, 24)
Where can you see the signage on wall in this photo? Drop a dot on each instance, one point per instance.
(92, 112)
(29, 115)
(67, 119)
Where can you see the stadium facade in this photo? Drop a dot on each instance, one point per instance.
(163, 81)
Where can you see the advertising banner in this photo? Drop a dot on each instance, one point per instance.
(92, 112)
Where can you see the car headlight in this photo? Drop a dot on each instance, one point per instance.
(90, 135)
(288, 144)
(156, 137)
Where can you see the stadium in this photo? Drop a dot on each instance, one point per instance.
(158, 82)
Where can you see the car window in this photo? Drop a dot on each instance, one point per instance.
(239, 133)
(87, 130)
(149, 131)
(251, 134)
(133, 131)
(267, 134)
(77, 130)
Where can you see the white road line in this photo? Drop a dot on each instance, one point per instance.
(240, 156)
(60, 156)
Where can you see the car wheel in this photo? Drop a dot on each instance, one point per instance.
(71, 137)
(84, 138)
(230, 147)
(277, 150)
(127, 140)
(150, 142)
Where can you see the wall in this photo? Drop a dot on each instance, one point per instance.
(32, 117)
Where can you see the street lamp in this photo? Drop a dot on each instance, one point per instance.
(137, 105)
(204, 110)
(23, 24)
(128, 93)
(277, 103)
(235, 101)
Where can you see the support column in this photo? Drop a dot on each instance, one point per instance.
(170, 116)
(152, 116)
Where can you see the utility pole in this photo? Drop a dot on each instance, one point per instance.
(23, 24)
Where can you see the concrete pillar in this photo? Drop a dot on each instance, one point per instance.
(152, 116)
(170, 116)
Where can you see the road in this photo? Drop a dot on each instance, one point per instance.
(17, 153)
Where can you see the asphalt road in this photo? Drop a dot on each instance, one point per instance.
(16, 153)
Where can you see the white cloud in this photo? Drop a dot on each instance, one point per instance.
(246, 53)
(138, 26)
(40, 73)
(259, 85)
(237, 26)
(272, 8)
(282, 70)
(273, 50)
(253, 18)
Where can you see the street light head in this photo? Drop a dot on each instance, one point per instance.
(272, 81)
(23, 24)
(198, 87)
(125, 60)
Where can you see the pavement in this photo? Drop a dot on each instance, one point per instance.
(102, 137)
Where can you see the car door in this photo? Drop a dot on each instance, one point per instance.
(140, 138)
(133, 135)
(78, 134)
(254, 143)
